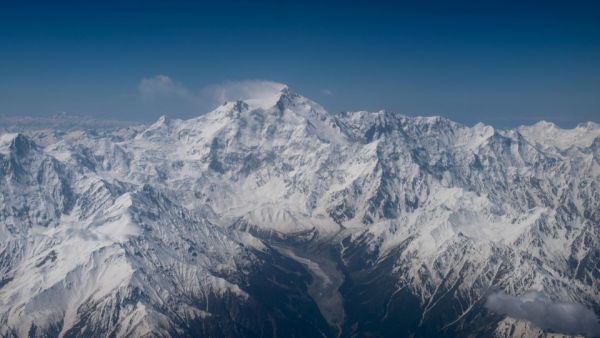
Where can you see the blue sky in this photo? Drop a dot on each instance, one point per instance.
(499, 62)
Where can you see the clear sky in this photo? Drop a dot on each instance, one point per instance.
(499, 62)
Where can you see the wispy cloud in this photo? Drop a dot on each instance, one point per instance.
(537, 308)
(163, 91)
(162, 87)
(327, 92)
(243, 90)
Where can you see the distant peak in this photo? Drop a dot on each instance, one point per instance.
(549, 134)
(545, 125)
(588, 126)
(162, 121)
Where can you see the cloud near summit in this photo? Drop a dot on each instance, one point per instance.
(243, 90)
(161, 91)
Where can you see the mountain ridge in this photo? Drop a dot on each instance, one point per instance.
(406, 214)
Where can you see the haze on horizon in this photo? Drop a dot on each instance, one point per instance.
(502, 63)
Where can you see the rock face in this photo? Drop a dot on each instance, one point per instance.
(232, 223)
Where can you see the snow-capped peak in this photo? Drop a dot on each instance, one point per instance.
(268, 98)
(548, 134)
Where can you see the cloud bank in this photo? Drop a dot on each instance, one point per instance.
(537, 308)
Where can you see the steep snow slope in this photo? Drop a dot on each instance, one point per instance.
(139, 231)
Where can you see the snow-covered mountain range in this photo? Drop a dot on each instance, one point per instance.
(274, 217)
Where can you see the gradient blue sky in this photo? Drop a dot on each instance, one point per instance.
(499, 62)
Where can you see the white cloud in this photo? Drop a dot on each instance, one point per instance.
(327, 92)
(165, 93)
(244, 90)
(162, 87)
(537, 308)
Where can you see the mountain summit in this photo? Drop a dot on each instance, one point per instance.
(273, 217)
